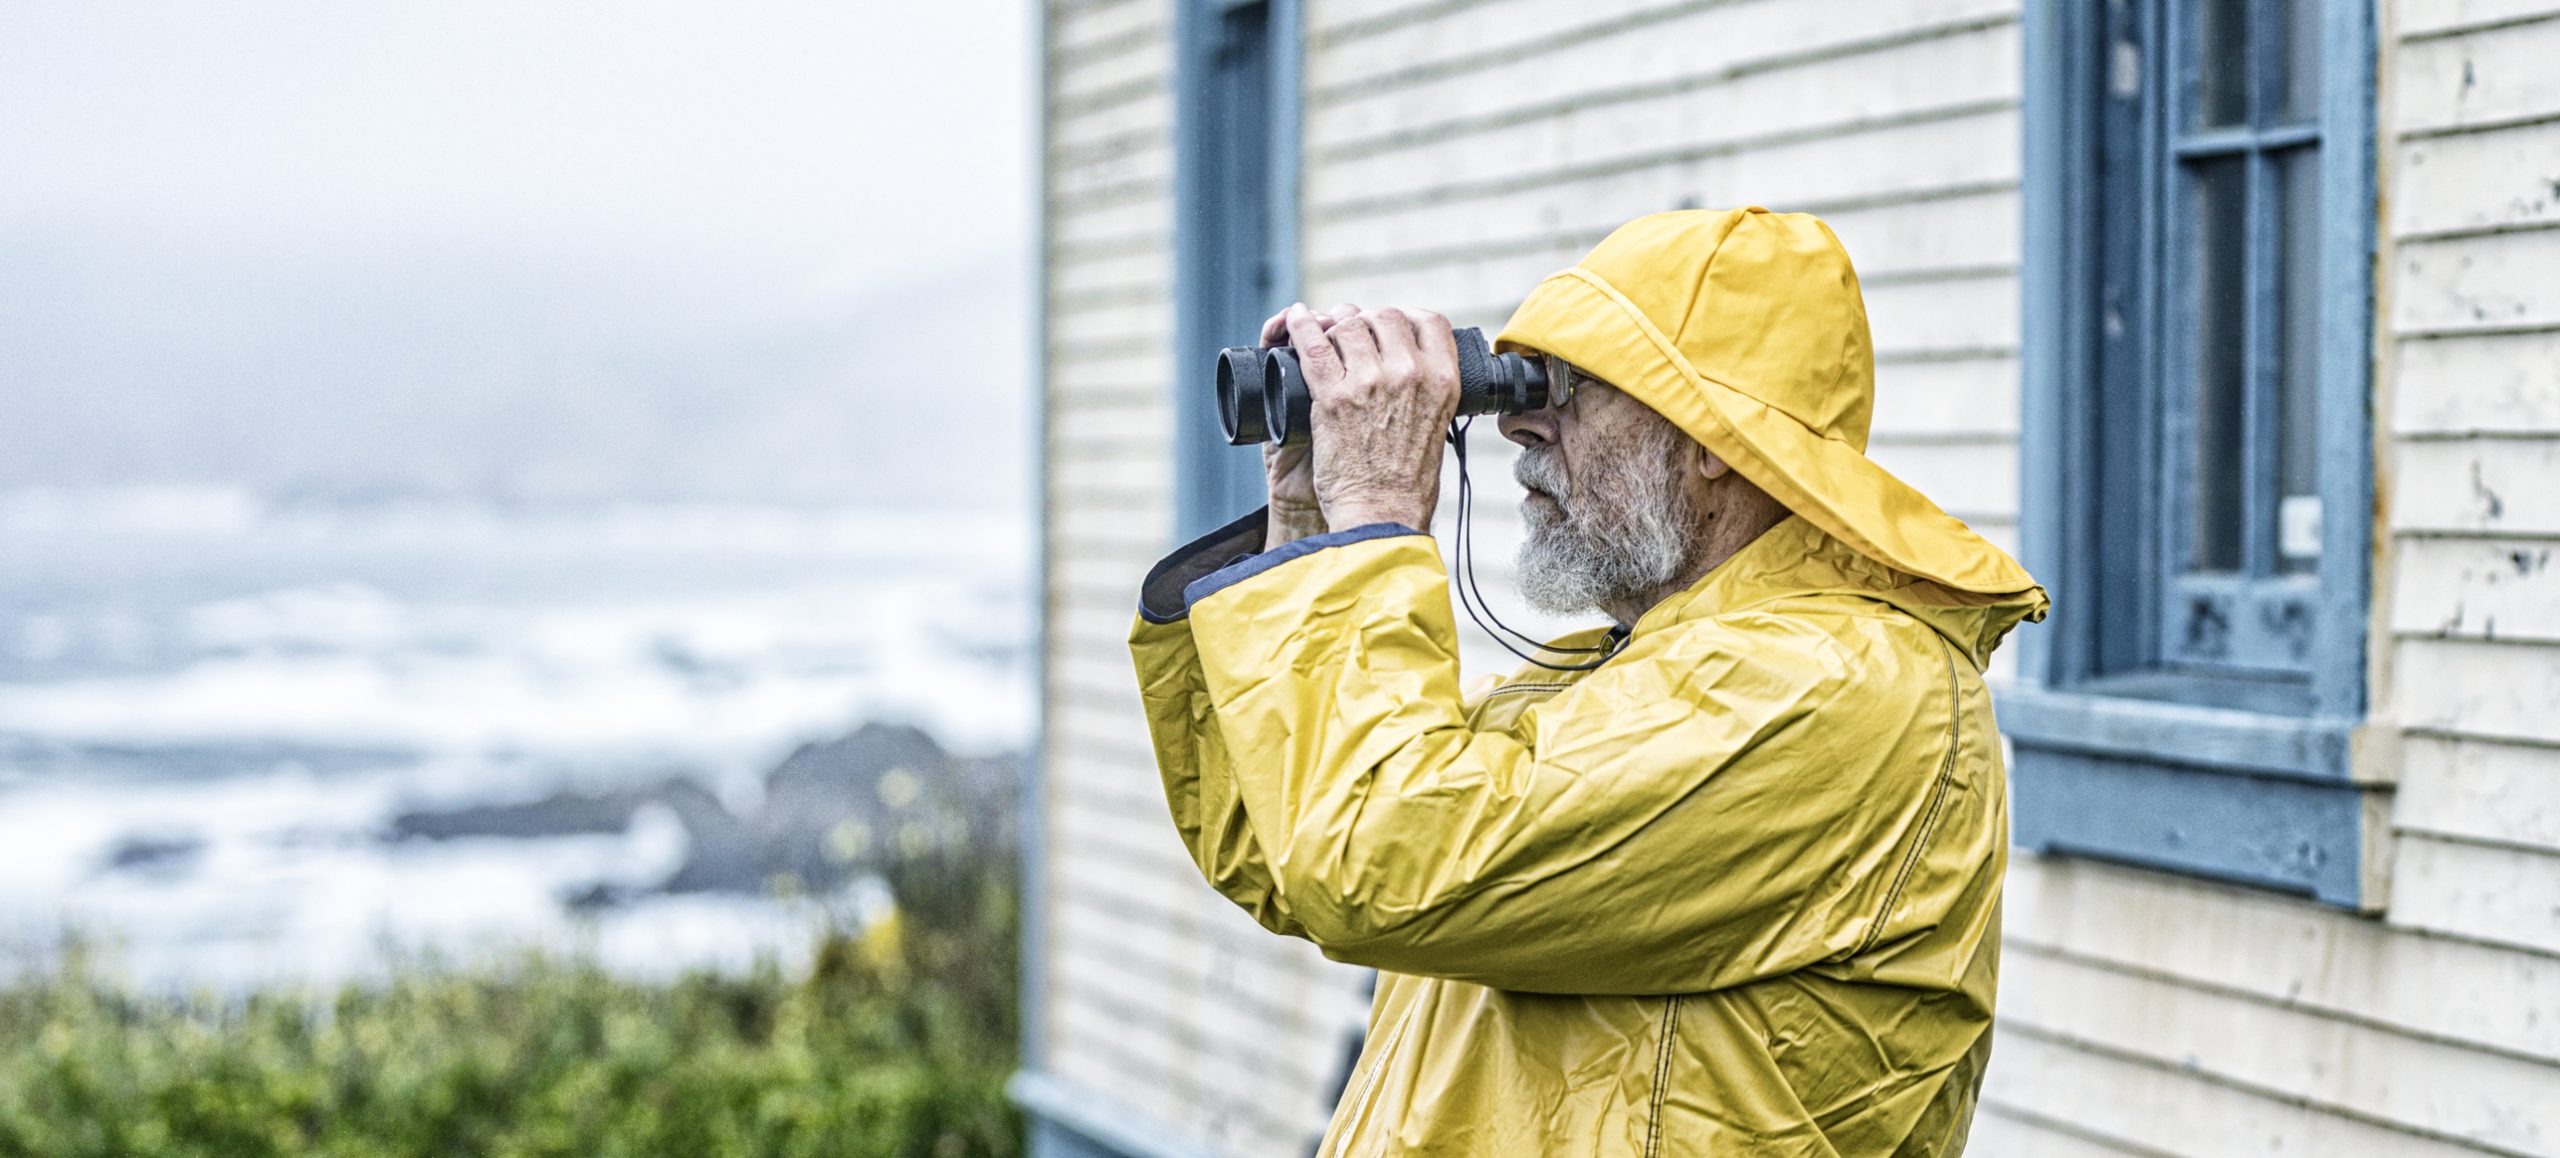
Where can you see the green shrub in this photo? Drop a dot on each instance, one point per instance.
(897, 1043)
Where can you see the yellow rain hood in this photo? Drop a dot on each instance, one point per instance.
(1746, 329)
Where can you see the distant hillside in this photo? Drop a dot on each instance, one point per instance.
(293, 366)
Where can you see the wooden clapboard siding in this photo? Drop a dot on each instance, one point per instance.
(2419, 19)
(1458, 150)
(1862, 167)
(2003, 1129)
(2503, 894)
(2473, 326)
(2510, 385)
(1535, 58)
(1615, 124)
(2481, 790)
(2466, 78)
(2479, 283)
(1950, 398)
(1139, 220)
(2476, 484)
(2169, 1016)
(2478, 688)
(1155, 992)
(1106, 30)
(2315, 1060)
(2341, 966)
(2475, 181)
(2493, 587)
(2143, 1105)
(1455, 154)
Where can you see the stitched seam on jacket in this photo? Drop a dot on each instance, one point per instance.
(1526, 688)
(1937, 805)
(1386, 1052)
(1661, 1077)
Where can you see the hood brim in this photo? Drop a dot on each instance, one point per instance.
(1578, 316)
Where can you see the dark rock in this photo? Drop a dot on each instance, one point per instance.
(559, 814)
(596, 897)
(722, 853)
(832, 811)
(162, 854)
(839, 808)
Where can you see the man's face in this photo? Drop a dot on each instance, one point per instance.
(1610, 513)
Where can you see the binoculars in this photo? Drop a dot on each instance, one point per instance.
(1262, 396)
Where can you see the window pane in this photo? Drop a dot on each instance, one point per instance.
(2218, 311)
(2221, 62)
(2296, 522)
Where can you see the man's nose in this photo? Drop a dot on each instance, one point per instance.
(1532, 430)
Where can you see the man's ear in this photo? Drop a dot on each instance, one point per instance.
(1711, 467)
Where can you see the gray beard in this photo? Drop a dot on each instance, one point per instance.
(1622, 531)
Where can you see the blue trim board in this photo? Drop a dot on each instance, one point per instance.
(2291, 835)
(2345, 283)
(1288, 114)
(2313, 749)
(1069, 1121)
(1050, 1140)
(2119, 754)
(2106, 483)
(2050, 275)
(1236, 171)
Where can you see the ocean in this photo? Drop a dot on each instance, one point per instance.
(215, 706)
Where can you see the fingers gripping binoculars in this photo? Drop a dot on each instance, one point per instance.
(1262, 395)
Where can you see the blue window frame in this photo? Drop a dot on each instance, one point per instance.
(2200, 218)
(1235, 226)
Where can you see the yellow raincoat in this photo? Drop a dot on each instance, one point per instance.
(1734, 892)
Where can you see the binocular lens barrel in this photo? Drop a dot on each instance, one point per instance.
(1240, 395)
(1262, 397)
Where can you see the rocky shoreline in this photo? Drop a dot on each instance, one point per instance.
(830, 813)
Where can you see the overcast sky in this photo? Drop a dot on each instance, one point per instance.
(583, 198)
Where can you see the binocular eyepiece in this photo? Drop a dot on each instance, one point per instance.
(1262, 395)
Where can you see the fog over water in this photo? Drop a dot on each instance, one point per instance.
(584, 249)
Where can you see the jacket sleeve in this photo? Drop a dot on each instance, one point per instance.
(1635, 834)
(1190, 746)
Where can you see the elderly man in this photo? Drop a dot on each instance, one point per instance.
(1735, 888)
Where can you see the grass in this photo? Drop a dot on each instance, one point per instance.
(897, 1043)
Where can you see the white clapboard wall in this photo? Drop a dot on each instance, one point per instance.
(1456, 152)
(2142, 1014)
(1163, 1007)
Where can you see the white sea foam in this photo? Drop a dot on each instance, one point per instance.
(462, 653)
(700, 680)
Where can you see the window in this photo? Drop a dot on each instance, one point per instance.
(2200, 218)
(1235, 227)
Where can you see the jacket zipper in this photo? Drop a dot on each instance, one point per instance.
(1369, 1086)
(1937, 805)
(1661, 1075)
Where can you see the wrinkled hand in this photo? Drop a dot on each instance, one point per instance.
(1289, 471)
(1383, 384)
